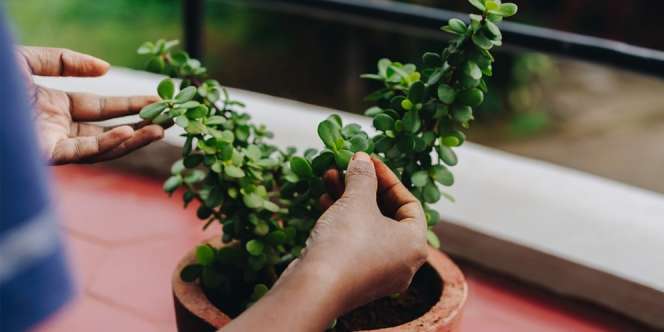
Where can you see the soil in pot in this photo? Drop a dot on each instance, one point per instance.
(423, 293)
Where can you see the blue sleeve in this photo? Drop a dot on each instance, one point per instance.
(34, 279)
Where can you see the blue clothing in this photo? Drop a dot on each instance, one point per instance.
(34, 279)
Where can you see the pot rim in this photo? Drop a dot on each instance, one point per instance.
(444, 314)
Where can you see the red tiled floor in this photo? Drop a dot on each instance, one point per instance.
(126, 236)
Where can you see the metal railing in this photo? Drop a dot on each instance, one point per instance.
(402, 15)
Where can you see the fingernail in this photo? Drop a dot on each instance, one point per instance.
(361, 156)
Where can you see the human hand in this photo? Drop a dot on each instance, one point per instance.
(374, 234)
(368, 244)
(61, 116)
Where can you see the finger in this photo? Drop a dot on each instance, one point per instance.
(91, 107)
(145, 123)
(333, 183)
(396, 200)
(325, 202)
(46, 61)
(361, 179)
(78, 149)
(141, 138)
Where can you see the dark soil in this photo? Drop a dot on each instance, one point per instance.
(424, 293)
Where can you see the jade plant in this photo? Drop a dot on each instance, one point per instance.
(265, 197)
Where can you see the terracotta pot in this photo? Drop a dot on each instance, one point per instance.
(194, 312)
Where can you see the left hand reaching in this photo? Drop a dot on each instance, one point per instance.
(62, 117)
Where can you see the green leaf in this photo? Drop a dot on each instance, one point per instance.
(419, 178)
(447, 155)
(242, 133)
(479, 4)
(329, 133)
(383, 64)
(383, 122)
(179, 57)
(351, 130)
(457, 25)
(336, 119)
(463, 114)
(270, 206)
(277, 237)
(233, 171)
(301, 167)
(204, 255)
(431, 59)
(359, 142)
(255, 247)
(430, 193)
(506, 9)
(493, 30)
(177, 167)
(193, 160)
(259, 291)
(146, 48)
(155, 65)
(482, 41)
(451, 141)
(253, 152)
(197, 112)
(189, 104)
(446, 94)
(411, 121)
(227, 136)
(342, 158)
(182, 121)
(373, 111)
(194, 176)
(442, 175)
(406, 104)
(471, 97)
(417, 92)
(195, 127)
(166, 88)
(472, 70)
(433, 240)
(172, 183)
(253, 200)
(186, 94)
(322, 162)
(162, 118)
(433, 217)
(151, 111)
(383, 143)
(191, 272)
(372, 77)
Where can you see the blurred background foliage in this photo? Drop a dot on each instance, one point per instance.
(538, 105)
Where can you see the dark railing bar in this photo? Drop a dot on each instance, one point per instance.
(522, 36)
(193, 21)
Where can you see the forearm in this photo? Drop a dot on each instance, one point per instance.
(309, 299)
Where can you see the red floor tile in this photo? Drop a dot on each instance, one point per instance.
(88, 315)
(126, 236)
(139, 277)
(85, 258)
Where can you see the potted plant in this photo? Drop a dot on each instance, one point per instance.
(266, 197)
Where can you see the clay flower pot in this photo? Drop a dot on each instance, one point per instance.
(194, 312)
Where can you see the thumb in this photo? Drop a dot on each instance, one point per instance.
(361, 177)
